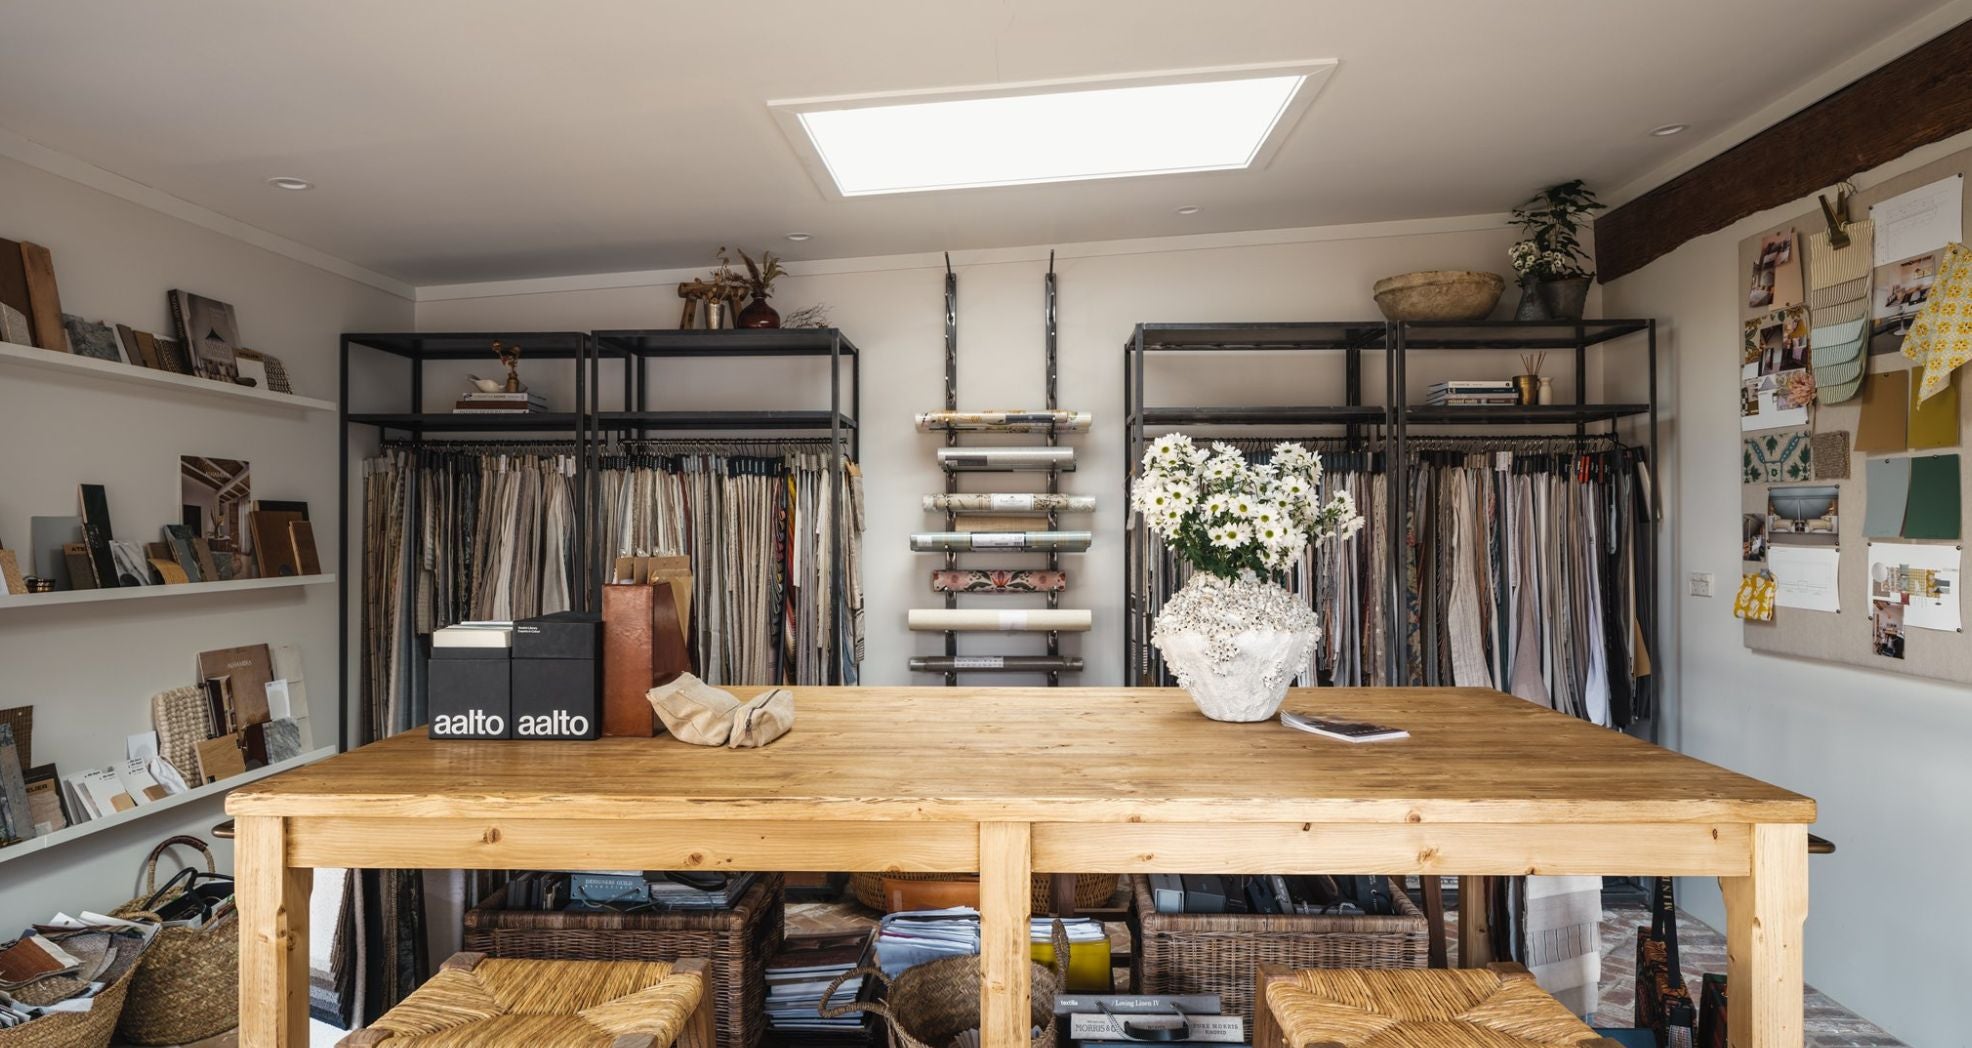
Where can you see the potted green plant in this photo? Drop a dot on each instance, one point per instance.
(760, 277)
(1554, 278)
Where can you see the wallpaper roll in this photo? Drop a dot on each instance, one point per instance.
(1043, 459)
(967, 502)
(998, 580)
(1006, 421)
(1009, 541)
(1040, 620)
(994, 522)
(996, 663)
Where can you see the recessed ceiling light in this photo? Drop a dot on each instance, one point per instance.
(799, 237)
(295, 184)
(1668, 130)
(1054, 131)
(1188, 209)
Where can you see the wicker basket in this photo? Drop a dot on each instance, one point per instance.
(188, 986)
(929, 1005)
(739, 942)
(92, 1029)
(1092, 890)
(1219, 952)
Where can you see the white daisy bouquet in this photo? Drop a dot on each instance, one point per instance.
(1227, 516)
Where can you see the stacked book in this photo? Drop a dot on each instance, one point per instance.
(1171, 1020)
(1473, 393)
(633, 890)
(797, 978)
(477, 403)
(906, 940)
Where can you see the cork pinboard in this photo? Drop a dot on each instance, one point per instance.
(1846, 636)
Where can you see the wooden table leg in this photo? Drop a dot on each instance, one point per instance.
(1006, 860)
(1434, 912)
(1061, 892)
(273, 901)
(1765, 917)
(1475, 924)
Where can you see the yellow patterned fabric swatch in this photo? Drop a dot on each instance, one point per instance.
(1755, 600)
(1940, 335)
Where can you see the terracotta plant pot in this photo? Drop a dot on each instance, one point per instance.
(1439, 294)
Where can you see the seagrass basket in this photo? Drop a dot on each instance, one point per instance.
(187, 987)
(930, 1004)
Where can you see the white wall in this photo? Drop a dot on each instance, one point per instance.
(90, 670)
(893, 310)
(1883, 754)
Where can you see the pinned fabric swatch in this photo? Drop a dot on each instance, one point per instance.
(1838, 358)
(1933, 510)
(1830, 267)
(1838, 308)
(1934, 422)
(1885, 406)
(1940, 336)
(1778, 458)
(1886, 493)
(1830, 455)
(1754, 601)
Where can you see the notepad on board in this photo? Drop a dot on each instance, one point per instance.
(1347, 731)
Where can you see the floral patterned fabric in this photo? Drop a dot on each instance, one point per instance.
(1778, 458)
(1940, 337)
(1755, 600)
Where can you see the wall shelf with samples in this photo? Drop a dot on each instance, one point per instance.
(13, 355)
(186, 589)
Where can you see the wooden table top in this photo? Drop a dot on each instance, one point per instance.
(1059, 755)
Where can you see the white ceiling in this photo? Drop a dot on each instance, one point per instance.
(465, 140)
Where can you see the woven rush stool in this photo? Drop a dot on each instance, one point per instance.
(480, 1002)
(1499, 1006)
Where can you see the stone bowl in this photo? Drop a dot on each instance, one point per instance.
(1439, 294)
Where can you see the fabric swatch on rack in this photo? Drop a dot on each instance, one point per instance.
(1934, 422)
(1831, 455)
(1886, 493)
(1885, 408)
(1934, 507)
(1777, 457)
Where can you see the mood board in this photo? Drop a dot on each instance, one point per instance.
(1853, 466)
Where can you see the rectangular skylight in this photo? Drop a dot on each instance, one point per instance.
(1058, 131)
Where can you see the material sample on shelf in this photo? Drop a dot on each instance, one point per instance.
(1009, 541)
(983, 459)
(1005, 421)
(996, 663)
(1074, 620)
(998, 580)
(1040, 502)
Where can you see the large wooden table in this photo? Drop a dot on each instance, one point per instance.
(1009, 781)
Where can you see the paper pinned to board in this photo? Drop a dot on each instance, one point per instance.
(1921, 578)
(1923, 219)
(1804, 577)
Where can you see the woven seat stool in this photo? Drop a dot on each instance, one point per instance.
(1494, 1007)
(480, 1002)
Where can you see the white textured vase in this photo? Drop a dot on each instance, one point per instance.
(1235, 646)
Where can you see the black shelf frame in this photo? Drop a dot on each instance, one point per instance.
(1392, 422)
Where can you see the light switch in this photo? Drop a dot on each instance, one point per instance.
(1701, 583)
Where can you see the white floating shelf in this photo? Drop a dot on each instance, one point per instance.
(15, 355)
(60, 837)
(184, 589)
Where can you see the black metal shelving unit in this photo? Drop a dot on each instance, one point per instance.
(1391, 423)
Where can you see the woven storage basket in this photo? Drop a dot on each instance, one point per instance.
(92, 1029)
(187, 987)
(1092, 890)
(929, 1004)
(1219, 952)
(738, 942)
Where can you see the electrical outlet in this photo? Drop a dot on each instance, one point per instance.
(1701, 583)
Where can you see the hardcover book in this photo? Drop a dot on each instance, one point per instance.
(45, 804)
(246, 670)
(273, 544)
(210, 333)
(97, 532)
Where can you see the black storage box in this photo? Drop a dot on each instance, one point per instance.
(556, 698)
(470, 697)
(562, 635)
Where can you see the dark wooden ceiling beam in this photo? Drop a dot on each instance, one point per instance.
(1922, 97)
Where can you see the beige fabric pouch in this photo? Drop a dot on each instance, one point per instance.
(696, 712)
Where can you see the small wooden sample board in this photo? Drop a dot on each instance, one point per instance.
(1006, 781)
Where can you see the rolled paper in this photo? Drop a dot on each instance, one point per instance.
(1009, 541)
(1043, 459)
(965, 502)
(996, 663)
(1040, 620)
(1005, 421)
(993, 522)
(998, 580)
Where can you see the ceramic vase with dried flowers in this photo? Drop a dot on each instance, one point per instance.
(1232, 635)
(760, 277)
(1554, 280)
